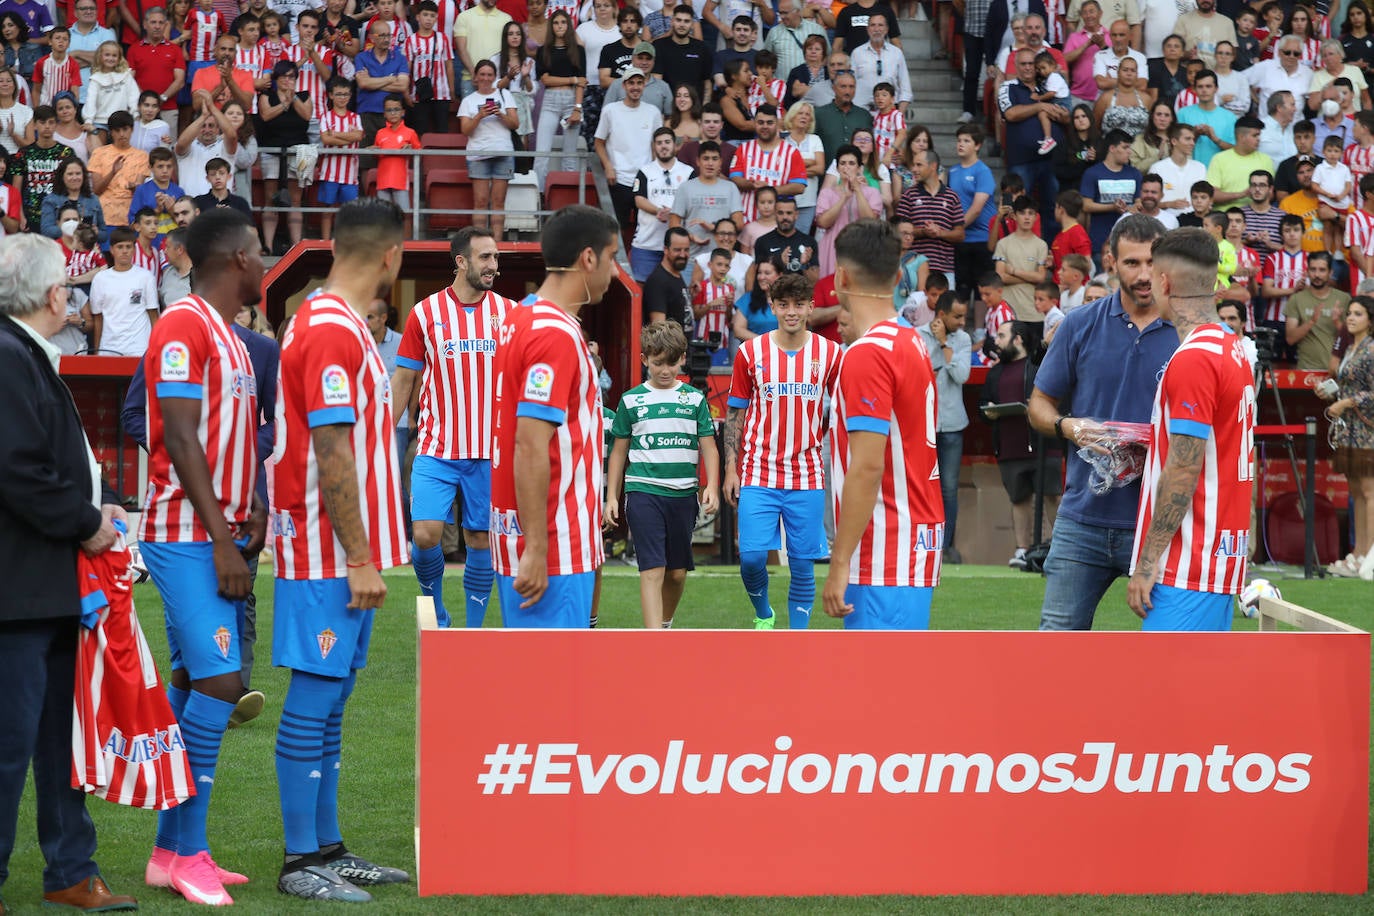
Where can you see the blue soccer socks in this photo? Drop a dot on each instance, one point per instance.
(477, 579)
(327, 830)
(429, 571)
(801, 593)
(753, 569)
(167, 820)
(310, 701)
(204, 721)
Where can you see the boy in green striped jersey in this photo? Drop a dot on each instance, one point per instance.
(663, 431)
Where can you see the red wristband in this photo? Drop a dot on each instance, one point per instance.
(359, 565)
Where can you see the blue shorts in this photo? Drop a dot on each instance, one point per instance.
(662, 527)
(435, 481)
(888, 607)
(314, 630)
(1178, 609)
(202, 625)
(566, 605)
(500, 168)
(333, 193)
(801, 512)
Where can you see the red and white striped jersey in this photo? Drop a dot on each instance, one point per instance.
(1360, 160)
(1359, 235)
(454, 346)
(998, 316)
(126, 744)
(273, 50)
(777, 167)
(153, 260)
(448, 15)
(400, 32)
(718, 317)
(310, 80)
(331, 374)
(1247, 267)
(1184, 98)
(338, 167)
(253, 62)
(570, 7)
(192, 354)
(1207, 392)
(756, 96)
(80, 262)
(886, 386)
(427, 57)
(51, 77)
(205, 29)
(783, 395)
(1283, 269)
(545, 369)
(888, 127)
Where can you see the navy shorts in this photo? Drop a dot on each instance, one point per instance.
(662, 528)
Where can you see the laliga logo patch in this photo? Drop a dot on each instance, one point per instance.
(222, 638)
(539, 383)
(326, 639)
(176, 362)
(334, 384)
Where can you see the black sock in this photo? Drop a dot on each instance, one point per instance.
(333, 852)
(292, 863)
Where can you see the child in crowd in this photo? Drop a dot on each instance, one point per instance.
(1188, 96)
(123, 300)
(1247, 261)
(1332, 182)
(400, 29)
(275, 40)
(150, 131)
(339, 129)
(1050, 87)
(674, 438)
(147, 254)
(1200, 194)
(1072, 238)
(765, 89)
(1073, 274)
(714, 302)
(112, 88)
(159, 192)
(1047, 304)
(58, 71)
(393, 172)
(218, 173)
(888, 122)
(990, 290)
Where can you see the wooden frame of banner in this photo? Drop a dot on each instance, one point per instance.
(1274, 611)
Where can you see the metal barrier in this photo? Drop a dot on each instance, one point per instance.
(587, 162)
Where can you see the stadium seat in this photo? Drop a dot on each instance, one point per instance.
(560, 190)
(1285, 530)
(447, 189)
(370, 183)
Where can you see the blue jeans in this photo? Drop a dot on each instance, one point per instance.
(1084, 561)
(642, 263)
(949, 452)
(1042, 184)
(37, 670)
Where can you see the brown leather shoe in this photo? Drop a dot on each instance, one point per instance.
(90, 896)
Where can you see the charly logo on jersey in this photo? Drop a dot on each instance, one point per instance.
(326, 639)
(334, 386)
(176, 362)
(223, 639)
(539, 383)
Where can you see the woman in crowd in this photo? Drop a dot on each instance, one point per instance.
(537, 25)
(800, 121)
(519, 77)
(71, 188)
(725, 235)
(562, 73)
(1352, 435)
(850, 198)
(487, 115)
(917, 139)
(283, 122)
(20, 53)
(594, 34)
(877, 175)
(1302, 22)
(247, 153)
(1127, 107)
(1153, 143)
(685, 120)
(734, 101)
(1356, 37)
(811, 71)
(1233, 86)
(16, 118)
(79, 136)
(1167, 75)
(1078, 152)
(754, 310)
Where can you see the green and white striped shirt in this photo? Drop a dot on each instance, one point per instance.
(664, 426)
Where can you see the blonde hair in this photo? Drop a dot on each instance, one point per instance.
(98, 67)
(663, 338)
(790, 119)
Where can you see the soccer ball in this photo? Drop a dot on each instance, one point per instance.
(1252, 593)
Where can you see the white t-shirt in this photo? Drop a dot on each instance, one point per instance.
(13, 120)
(191, 167)
(492, 135)
(739, 266)
(1179, 180)
(1105, 62)
(1333, 179)
(1237, 85)
(124, 299)
(1168, 218)
(628, 134)
(810, 145)
(660, 186)
(594, 38)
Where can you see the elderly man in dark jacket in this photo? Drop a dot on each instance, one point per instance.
(50, 507)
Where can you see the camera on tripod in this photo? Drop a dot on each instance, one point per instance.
(699, 359)
(1266, 345)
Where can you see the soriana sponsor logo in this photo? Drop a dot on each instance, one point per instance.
(855, 763)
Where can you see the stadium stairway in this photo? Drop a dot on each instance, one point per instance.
(935, 86)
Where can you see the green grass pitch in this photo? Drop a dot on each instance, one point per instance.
(378, 791)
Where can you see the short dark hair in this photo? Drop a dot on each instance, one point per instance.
(1333, 140)
(743, 20)
(871, 249)
(160, 154)
(1191, 247)
(144, 211)
(461, 241)
(627, 12)
(707, 146)
(1240, 308)
(674, 232)
(948, 299)
(45, 113)
(366, 227)
(1304, 127)
(574, 229)
(661, 131)
(1203, 74)
(1152, 178)
(1023, 204)
(791, 286)
(768, 111)
(1320, 256)
(1292, 219)
(1367, 185)
(1202, 187)
(214, 237)
(1135, 227)
(765, 58)
(1049, 288)
(120, 234)
(1116, 137)
(217, 165)
(119, 120)
(177, 237)
(424, 6)
(1072, 202)
(970, 130)
(316, 15)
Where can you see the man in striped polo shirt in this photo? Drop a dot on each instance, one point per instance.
(935, 211)
(663, 428)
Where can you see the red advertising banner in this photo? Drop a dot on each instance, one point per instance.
(878, 763)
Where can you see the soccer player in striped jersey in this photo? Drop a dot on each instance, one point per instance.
(889, 513)
(337, 521)
(670, 428)
(1192, 540)
(773, 462)
(430, 55)
(201, 521)
(448, 352)
(546, 521)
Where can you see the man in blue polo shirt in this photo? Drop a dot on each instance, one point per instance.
(381, 71)
(1105, 364)
(973, 181)
(1023, 137)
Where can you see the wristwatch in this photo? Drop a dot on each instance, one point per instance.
(1059, 426)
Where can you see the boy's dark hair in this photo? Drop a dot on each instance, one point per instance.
(664, 339)
(970, 130)
(160, 154)
(743, 20)
(241, 20)
(144, 211)
(1072, 203)
(1048, 288)
(217, 165)
(936, 279)
(1218, 218)
(765, 58)
(992, 278)
(87, 236)
(1292, 219)
(427, 6)
(1023, 203)
(792, 286)
(708, 146)
(1202, 187)
(44, 113)
(1011, 183)
(1305, 127)
(119, 120)
(1333, 140)
(721, 253)
(1116, 138)
(122, 234)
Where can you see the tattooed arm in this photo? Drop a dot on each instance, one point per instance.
(1173, 498)
(734, 421)
(339, 487)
